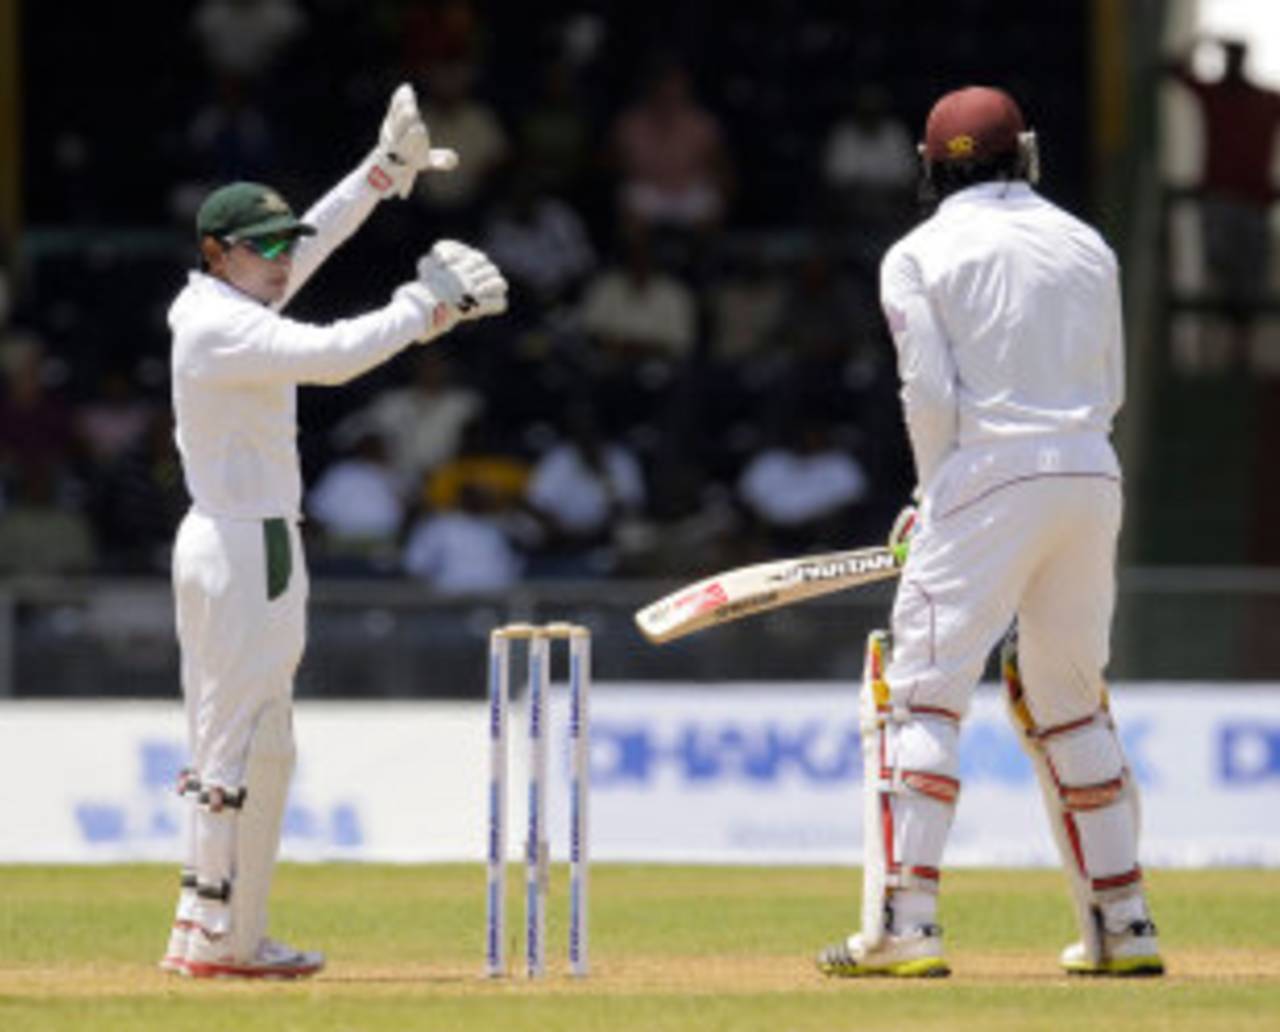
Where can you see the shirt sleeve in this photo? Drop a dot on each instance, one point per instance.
(926, 367)
(257, 345)
(1115, 344)
(336, 216)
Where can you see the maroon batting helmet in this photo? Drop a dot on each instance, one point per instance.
(973, 135)
(976, 123)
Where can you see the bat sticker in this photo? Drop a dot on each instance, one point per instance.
(835, 569)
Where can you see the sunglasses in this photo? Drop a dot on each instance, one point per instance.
(271, 248)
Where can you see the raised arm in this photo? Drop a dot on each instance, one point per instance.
(403, 150)
(260, 346)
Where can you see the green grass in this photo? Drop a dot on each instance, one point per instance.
(672, 948)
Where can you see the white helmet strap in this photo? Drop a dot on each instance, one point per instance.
(1029, 156)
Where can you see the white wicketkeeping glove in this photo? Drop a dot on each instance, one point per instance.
(463, 278)
(455, 283)
(404, 147)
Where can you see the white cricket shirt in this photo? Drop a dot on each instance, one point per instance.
(236, 364)
(1005, 311)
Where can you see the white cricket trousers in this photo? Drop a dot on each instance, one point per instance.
(1041, 548)
(240, 647)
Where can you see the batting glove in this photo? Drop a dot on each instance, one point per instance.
(404, 147)
(904, 529)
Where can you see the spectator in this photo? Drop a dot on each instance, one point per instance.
(38, 537)
(824, 342)
(436, 33)
(819, 317)
(464, 551)
(421, 423)
(539, 242)
(584, 489)
(637, 311)
(641, 323)
(469, 126)
(1240, 121)
(740, 383)
(555, 132)
(746, 303)
(242, 39)
(671, 155)
(114, 419)
(230, 135)
(869, 163)
(480, 461)
(139, 500)
(35, 425)
(802, 492)
(359, 508)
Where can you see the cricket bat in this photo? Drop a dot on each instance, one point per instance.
(748, 590)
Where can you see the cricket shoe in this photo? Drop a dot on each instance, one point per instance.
(209, 957)
(175, 954)
(1131, 953)
(913, 954)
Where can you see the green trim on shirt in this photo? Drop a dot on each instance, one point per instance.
(275, 534)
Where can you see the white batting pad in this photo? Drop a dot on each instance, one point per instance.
(268, 771)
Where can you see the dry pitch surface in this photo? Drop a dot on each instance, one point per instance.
(672, 948)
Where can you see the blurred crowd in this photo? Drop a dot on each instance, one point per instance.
(694, 370)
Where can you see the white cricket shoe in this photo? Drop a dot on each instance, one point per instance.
(175, 954)
(209, 957)
(913, 954)
(1134, 951)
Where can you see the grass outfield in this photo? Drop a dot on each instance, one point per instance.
(672, 948)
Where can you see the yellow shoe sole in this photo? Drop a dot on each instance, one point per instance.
(1120, 967)
(921, 967)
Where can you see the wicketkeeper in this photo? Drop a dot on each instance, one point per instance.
(239, 575)
(1005, 311)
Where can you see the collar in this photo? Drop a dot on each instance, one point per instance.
(206, 281)
(980, 193)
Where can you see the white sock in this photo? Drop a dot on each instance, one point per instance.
(1119, 914)
(912, 908)
(213, 915)
(186, 910)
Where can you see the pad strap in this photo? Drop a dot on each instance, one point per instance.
(922, 879)
(1080, 798)
(215, 798)
(188, 782)
(1118, 881)
(936, 786)
(1083, 798)
(217, 891)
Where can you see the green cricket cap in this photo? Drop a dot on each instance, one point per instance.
(243, 210)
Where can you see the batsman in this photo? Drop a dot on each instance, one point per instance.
(1005, 313)
(239, 575)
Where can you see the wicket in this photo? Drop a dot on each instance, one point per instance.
(537, 853)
